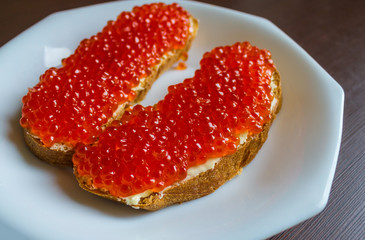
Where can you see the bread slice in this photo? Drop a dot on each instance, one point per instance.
(61, 154)
(214, 174)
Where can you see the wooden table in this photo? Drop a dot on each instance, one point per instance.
(333, 33)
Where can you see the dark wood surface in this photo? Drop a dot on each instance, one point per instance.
(333, 33)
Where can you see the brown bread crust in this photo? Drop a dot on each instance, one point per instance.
(62, 156)
(206, 182)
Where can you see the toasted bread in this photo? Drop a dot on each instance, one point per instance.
(204, 181)
(61, 154)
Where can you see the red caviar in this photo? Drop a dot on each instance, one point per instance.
(70, 104)
(181, 66)
(201, 118)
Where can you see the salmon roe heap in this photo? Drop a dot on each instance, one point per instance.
(70, 104)
(153, 147)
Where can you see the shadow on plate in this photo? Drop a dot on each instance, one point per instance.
(64, 179)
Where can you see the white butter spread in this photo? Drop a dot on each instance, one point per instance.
(138, 88)
(60, 147)
(134, 199)
(243, 138)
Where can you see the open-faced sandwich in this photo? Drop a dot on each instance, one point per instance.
(191, 142)
(111, 70)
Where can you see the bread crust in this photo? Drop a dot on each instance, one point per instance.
(62, 155)
(55, 156)
(206, 182)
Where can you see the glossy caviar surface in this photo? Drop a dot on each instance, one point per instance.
(70, 104)
(153, 147)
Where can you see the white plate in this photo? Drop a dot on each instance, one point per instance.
(288, 182)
